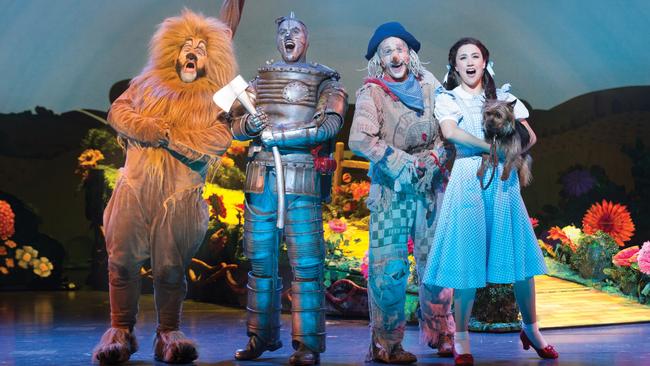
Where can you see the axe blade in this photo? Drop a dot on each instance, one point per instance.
(226, 96)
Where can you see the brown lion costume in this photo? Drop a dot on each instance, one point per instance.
(172, 132)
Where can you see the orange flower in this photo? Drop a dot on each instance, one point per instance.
(556, 233)
(360, 190)
(347, 178)
(4, 270)
(7, 217)
(10, 262)
(227, 162)
(610, 218)
(3, 250)
(237, 148)
(10, 243)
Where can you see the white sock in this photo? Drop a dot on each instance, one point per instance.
(461, 343)
(533, 333)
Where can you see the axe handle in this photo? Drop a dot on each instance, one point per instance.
(277, 161)
(279, 184)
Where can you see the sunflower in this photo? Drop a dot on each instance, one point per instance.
(89, 158)
(611, 218)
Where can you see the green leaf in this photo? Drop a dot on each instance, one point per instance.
(646, 290)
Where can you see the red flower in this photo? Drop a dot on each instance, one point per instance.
(534, 222)
(410, 244)
(610, 218)
(626, 257)
(240, 206)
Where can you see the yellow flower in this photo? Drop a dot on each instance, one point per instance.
(42, 266)
(411, 259)
(9, 262)
(4, 270)
(227, 162)
(25, 256)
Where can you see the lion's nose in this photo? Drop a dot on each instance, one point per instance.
(190, 56)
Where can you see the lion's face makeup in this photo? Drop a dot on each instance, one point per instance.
(190, 64)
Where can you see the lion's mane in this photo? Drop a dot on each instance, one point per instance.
(185, 107)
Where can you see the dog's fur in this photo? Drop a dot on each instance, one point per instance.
(500, 125)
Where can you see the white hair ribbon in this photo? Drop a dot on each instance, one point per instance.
(444, 80)
(489, 68)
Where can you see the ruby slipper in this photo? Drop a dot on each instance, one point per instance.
(466, 359)
(547, 352)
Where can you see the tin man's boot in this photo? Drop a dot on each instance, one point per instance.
(263, 323)
(308, 322)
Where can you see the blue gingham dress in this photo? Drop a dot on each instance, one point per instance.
(482, 235)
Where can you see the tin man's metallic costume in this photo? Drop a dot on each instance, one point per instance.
(300, 110)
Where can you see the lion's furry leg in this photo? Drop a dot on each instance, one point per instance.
(116, 346)
(174, 347)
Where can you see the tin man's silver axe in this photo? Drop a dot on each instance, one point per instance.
(224, 98)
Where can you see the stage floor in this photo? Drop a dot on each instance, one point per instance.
(61, 328)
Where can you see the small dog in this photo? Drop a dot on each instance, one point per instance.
(506, 133)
